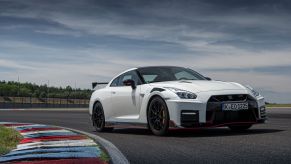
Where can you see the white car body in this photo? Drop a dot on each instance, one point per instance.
(123, 104)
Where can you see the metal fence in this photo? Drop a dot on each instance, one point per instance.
(31, 102)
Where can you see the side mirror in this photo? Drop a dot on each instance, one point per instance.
(208, 78)
(129, 82)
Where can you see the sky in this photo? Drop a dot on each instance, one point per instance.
(72, 42)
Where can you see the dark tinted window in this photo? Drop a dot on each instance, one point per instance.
(114, 82)
(132, 75)
(159, 74)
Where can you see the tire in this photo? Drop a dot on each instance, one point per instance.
(239, 127)
(158, 116)
(98, 118)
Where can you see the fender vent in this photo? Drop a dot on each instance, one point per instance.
(263, 112)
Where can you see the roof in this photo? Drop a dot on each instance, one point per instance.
(157, 66)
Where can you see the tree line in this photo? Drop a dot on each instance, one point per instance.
(16, 89)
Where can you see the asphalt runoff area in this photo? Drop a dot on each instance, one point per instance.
(263, 143)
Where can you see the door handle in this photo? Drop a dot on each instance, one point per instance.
(113, 92)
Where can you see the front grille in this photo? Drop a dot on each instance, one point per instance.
(189, 118)
(215, 115)
(233, 116)
(228, 98)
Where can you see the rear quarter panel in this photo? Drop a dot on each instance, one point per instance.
(103, 96)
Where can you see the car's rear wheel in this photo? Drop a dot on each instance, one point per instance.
(98, 118)
(158, 116)
(239, 127)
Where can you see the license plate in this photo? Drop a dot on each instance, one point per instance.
(235, 106)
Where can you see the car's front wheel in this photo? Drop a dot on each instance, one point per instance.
(98, 118)
(158, 116)
(239, 127)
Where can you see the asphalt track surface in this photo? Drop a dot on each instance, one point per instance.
(264, 143)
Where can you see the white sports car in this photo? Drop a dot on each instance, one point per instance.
(164, 97)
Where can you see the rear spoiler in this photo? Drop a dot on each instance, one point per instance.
(94, 84)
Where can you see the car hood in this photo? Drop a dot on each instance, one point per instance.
(200, 85)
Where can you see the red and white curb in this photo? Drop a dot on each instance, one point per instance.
(50, 144)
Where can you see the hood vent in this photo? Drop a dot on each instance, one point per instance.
(185, 81)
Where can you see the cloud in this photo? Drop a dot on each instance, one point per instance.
(12, 65)
(95, 40)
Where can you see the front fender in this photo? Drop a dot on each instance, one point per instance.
(163, 93)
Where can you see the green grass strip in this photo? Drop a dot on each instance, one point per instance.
(104, 156)
(9, 138)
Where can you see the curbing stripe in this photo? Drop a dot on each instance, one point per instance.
(48, 143)
(38, 129)
(16, 125)
(55, 150)
(116, 157)
(49, 134)
(115, 154)
(56, 145)
(64, 161)
(50, 156)
(53, 146)
(46, 131)
(30, 126)
(34, 149)
(52, 138)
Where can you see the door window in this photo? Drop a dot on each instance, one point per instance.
(131, 75)
(114, 82)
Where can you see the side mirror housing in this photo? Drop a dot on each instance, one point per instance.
(208, 78)
(129, 82)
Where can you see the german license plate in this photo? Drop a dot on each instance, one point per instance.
(235, 106)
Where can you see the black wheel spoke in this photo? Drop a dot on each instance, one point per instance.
(98, 117)
(157, 115)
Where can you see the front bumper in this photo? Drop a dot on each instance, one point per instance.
(195, 113)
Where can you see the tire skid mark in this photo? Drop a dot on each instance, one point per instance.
(47, 144)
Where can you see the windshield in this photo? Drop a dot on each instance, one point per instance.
(159, 74)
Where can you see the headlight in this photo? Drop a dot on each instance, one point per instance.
(182, 93)
(254, 92)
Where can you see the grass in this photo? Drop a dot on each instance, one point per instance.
(9, 138)
(278, 105)
(104, 156)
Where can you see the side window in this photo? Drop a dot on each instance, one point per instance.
(126, 77)
(132, 75)
(114, 82)
(149, 78)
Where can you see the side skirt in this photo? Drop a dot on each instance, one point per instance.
(133, 125)
(125, 124)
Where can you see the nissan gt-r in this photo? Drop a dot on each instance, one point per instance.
(165, 97)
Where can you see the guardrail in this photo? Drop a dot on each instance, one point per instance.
(31, 102)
